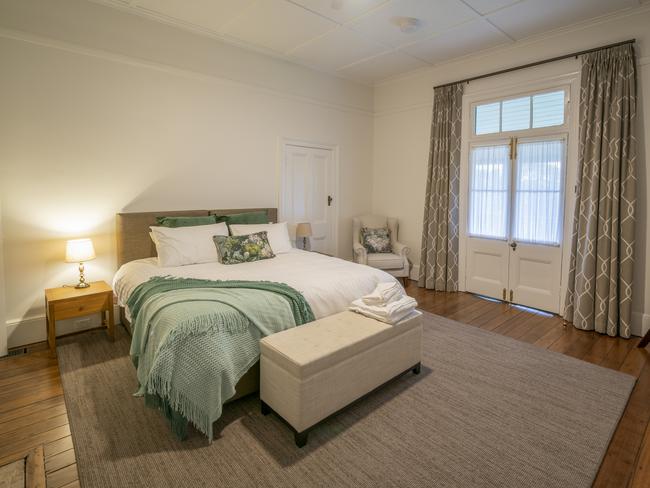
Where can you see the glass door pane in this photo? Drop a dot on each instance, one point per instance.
(537, 213)
(489, 191)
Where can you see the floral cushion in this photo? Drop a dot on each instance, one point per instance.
(376, 240)
(243, 249)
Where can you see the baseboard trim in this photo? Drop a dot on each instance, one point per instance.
(31, 330)
(415, 272)
(640, 323)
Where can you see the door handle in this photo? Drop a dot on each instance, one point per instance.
(329, 200)
(513, 245)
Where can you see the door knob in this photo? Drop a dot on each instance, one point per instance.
(513, 245)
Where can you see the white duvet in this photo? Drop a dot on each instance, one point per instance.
(329, 284)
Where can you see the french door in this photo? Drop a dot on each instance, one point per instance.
(515, 220)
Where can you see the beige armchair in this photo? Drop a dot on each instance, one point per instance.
(396, 262)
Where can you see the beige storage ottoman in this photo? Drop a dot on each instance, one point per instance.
(307, 373)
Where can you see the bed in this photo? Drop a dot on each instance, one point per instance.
(328, 284)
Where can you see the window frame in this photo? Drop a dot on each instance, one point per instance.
(491, 138)
(525, 132)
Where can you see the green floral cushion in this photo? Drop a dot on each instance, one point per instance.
(188, 221)
(243, 249)
(376, 240)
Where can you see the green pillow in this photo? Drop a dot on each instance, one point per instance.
(243, 249)
(188, 221)
(244, 218)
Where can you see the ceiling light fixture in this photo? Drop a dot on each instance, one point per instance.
(406, 24)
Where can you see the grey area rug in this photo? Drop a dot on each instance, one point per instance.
(487, 411)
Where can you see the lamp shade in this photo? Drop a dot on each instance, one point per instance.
(303, 229)
(79, 250)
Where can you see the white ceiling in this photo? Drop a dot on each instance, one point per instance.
(358, 39)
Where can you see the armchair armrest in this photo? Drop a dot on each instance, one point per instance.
(360, 253)
(401, 249)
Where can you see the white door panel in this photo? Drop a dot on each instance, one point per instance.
(487, 247)
(308, 179)
(487, 267)
(534, 276)
(319, 210)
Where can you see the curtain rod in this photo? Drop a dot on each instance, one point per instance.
(537, 63)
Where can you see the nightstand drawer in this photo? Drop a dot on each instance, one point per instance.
(81, 306)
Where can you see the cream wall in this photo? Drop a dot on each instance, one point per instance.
(112, 112)
(3, 330)
(403, 119)
(93, 132)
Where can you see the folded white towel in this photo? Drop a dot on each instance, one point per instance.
(390, 313)
(384, 293)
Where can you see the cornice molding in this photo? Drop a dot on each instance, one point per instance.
(428, 103)
(131, 7)
(165, 68)
(603, 19)
(169, 69)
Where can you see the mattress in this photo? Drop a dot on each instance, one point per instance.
(328, 284)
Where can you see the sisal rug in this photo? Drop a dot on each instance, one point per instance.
(487, 411)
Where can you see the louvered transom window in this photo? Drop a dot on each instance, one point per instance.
(515, 114)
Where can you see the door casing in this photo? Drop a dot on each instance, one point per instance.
(334, 181)
(496, 88)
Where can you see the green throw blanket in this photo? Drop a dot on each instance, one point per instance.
(194, 339)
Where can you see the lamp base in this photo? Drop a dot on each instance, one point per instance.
(82, 279)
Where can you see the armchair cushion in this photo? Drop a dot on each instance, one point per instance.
(376, 240)
(385, 260)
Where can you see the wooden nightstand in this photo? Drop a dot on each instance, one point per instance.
(67, 302)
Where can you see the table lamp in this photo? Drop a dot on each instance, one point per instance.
(79, 251)
(303, 230)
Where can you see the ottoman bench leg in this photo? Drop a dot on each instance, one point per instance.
(300, 438)
(416, 369)
(264, 408)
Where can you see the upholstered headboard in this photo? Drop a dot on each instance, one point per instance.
(133, 241)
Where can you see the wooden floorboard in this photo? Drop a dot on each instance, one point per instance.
(33, 413)
(641, 477)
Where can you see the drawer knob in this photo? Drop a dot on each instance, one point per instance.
(81, 308)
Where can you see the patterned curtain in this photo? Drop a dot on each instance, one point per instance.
(599, 294)
(439, 255)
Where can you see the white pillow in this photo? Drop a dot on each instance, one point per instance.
(178, 246)
(278, 234)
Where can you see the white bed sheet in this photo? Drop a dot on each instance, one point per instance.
(328, 284)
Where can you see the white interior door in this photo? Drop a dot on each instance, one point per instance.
(307, 193)
(514, 243)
